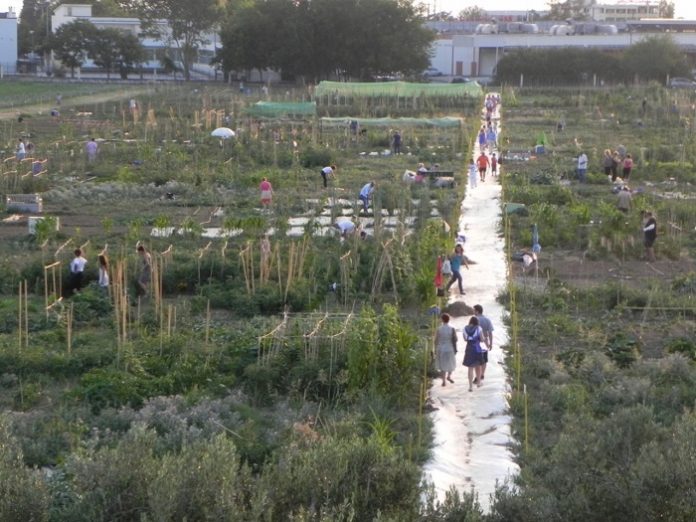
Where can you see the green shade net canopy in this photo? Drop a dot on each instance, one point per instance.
(398, 89)
(265, 109)
(447, 122)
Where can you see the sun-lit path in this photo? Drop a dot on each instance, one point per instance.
(472, 429)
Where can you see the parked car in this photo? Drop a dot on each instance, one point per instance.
(460, 79)
(432, 71)
(682, 83)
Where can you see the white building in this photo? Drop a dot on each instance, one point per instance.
(67, 13)
(8, 42)
(478, 54)
(621, 10)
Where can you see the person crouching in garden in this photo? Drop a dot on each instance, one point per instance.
(446, 349)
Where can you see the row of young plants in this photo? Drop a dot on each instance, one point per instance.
(603, 373)
(195, 414)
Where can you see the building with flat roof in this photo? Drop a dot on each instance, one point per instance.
(154, 47)
(8, 42)
(622, 10)
(476, 53)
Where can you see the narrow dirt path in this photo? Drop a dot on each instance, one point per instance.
(7, 114)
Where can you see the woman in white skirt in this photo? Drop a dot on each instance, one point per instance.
(446, 349)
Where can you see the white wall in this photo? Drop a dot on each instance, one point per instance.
(8, 43)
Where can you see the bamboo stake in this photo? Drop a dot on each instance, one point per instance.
(61, 247)
(291, 264)
(19, 315)
(69, 327)
(26, 314)
(207, 323)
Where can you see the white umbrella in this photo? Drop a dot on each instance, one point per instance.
(223, 132)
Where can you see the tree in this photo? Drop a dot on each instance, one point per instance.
(33, 30)
(318, 39)
(188, 21)
(656, 57)
(665, 9)
(575, 9)
(71, 43)
(114, 49)
(473, 12)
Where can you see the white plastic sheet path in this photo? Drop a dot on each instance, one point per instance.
(472, 429)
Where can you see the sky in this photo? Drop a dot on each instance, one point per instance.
(683, 8)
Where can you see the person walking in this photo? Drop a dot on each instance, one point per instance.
(456, 261)
(446, 349)
(482, 163)
(473, 174)
(327, 172)
(482, 138)
(487, 329)
(649, 235)
(366, 193)
(472, 354)
(266, 192)
(494, 165)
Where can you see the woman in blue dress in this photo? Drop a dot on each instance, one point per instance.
(473, 355)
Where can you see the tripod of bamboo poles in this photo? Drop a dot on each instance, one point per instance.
(310, 341)
(274, 338)
(296, 260)
(337, 341)
(201, 253)
(246, 257)
(384, 263)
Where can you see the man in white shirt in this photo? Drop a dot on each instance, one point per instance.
(365, 194)
(582, 167)
(77, 269)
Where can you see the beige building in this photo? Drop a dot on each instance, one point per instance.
(624, 10)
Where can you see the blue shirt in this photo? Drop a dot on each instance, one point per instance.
(456, 263)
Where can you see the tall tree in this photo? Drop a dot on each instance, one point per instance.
(665, 9)
(318, 39)
(113, 49)
(656, 57)
(473, 12)
(71, 43)
(575, 9)
(33, 30)
(187, 23)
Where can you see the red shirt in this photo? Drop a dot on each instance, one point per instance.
(482, 161)
(265, 185)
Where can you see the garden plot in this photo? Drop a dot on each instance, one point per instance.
(321, 225)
